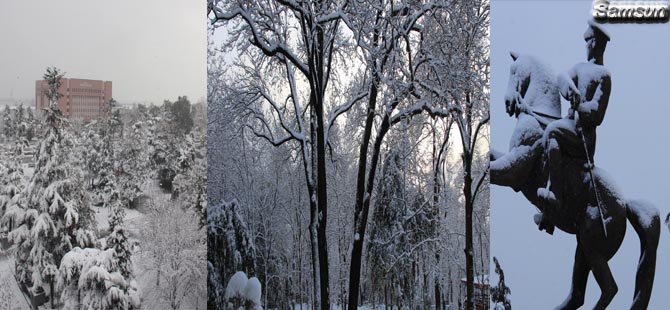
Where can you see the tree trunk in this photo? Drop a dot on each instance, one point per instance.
(313, 213)
(318, 90)
(438, 302)
(51, 292)
(315, 263)
(360, 214)
(469, 255)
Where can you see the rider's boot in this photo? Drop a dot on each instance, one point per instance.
(543, 223)
(546, 195)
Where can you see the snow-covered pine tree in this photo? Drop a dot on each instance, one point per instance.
(118, 241)
(132, 158)
(385, 240)
(500, 293)
(105, 177)
(101, 279)
(30, 124)
(8, 122)
(21, 122)
(11, 182)
(229, 234)
(97, 154)
(167, 146)
(402, 224)
(52, 214)
(190, 184)
(90, 279)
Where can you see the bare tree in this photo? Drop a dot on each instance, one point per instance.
(298, 40)
(298, 66)
(459, 77)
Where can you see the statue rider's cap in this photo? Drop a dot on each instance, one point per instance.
(596, 31)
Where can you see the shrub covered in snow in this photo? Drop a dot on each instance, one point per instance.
(252, 291)
(243, 292)
(90, 279)
(236, 285)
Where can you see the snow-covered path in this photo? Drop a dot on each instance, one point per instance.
(19, 301)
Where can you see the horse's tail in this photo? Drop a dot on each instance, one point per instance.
(646, 221)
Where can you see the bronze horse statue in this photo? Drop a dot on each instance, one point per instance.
(533, 99)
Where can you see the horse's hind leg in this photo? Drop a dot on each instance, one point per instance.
(647, 223)
(580, 274)
(602, 273)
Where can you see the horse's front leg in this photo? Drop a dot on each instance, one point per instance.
(580, 274)
(512, 169)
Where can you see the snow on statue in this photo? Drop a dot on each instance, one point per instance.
(551, 162)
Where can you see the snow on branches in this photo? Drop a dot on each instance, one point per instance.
(91, 279)
(52, 213)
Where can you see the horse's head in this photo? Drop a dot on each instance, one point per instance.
(533, 83)
(517, 86)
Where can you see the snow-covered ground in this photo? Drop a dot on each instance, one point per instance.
(12, 293)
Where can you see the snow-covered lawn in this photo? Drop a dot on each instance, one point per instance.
(102, 218)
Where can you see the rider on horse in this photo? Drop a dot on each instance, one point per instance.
(587, 87)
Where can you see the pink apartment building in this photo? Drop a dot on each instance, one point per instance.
(82, 99)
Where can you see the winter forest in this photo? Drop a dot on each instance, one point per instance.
(107, 214)
(348, 154)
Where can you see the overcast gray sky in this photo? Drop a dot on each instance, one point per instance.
(632, 146)
(150, 50)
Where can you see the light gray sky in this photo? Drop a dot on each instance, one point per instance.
(631, 146)
(150, 50)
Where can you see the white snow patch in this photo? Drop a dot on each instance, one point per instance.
(593, 212)
(645, 210)
(236, 285)
(606, 180)
(542, 94)
(252, 291)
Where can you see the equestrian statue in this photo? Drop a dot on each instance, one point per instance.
(551, 161)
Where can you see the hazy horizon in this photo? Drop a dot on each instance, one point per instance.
(150, 52)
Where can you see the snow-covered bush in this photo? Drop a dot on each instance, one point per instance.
(90, 279)
(244, 293)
